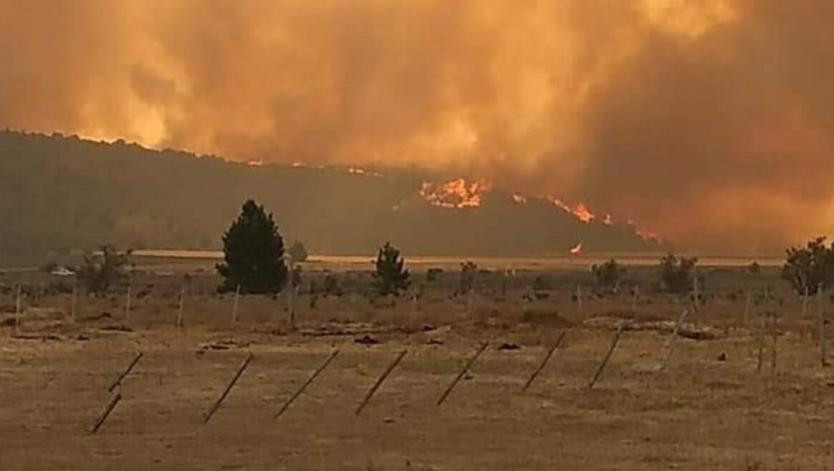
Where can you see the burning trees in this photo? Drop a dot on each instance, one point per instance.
(253, 251)
(390, 276)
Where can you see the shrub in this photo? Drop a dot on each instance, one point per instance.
(608, 274)
(391, 277)
(676, 274)
(98, 272)
(807, 268)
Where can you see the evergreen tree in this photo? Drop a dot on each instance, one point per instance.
(254, 253)
(390, 275)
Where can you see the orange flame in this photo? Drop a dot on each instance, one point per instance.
(519, 199)
(646, 234)
(577, 249)
(580, 210)
(456, 194)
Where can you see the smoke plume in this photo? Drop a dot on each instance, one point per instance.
(707, 121)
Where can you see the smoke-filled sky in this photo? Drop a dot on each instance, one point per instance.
(708, 121)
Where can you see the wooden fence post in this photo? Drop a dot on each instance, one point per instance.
(181, 306)
(544, 361)
(74, 297)
(306, 383)
(380, 380)
(823, 346)
(462, 373)
(228, 388)
(235, 305)
(106, 413)
(670, 343)
(127, 300)
(17, 310)
(123, 375)
(607, 356)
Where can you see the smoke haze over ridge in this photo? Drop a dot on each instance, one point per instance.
(706, 120)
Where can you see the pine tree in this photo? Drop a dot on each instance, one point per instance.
(390, 276)
(254, 253)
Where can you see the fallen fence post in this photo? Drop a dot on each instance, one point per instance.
(118, 381)
(462, 373)
(380, 380)
(544, 361)
(670, 343)
(607, 356)
(226, 391)
(106, 413)
(306, 383)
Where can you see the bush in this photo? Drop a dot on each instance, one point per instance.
(298, 253)
(254, 253)
(807, 268)
(468, 271)
(98, 272)
(609, 274)
(391, 277)
(676, 274)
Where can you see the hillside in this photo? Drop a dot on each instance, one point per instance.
(60, 194)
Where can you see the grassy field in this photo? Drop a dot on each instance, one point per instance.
(711, 408)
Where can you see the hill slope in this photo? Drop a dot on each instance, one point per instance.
(62, 193)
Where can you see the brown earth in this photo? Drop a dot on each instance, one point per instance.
(710, 409)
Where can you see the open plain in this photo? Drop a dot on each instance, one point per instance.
(718, 404)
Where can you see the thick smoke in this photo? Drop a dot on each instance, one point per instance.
(707, 121)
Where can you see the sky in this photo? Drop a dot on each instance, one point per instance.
(708, 121)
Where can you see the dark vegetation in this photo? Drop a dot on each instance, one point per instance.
(65, 194)
(254, 254)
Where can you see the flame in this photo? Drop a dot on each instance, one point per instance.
(255, 163)
(576, 249)
(608, 220)
(458, 193)
(646, 234)
(519, 199)
(580, 210)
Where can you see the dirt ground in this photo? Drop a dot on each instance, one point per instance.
(710, 409)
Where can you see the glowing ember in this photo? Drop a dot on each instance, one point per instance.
(519, 199)
(457, 193)
(577, 249)
(580, 210)
(255, 163)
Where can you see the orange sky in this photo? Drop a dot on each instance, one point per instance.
(705, 120)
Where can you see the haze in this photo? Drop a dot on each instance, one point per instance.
(706, 120)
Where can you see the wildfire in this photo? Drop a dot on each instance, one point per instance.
(646, 234)
(576, 249)
(255, 163)
(580, 210)
(458, 193)
(519, 199)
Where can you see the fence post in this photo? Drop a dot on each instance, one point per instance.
(823, 346)
(234, 306)
(607, 356)
(181, 306)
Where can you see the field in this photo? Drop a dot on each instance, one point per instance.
(711, 408)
